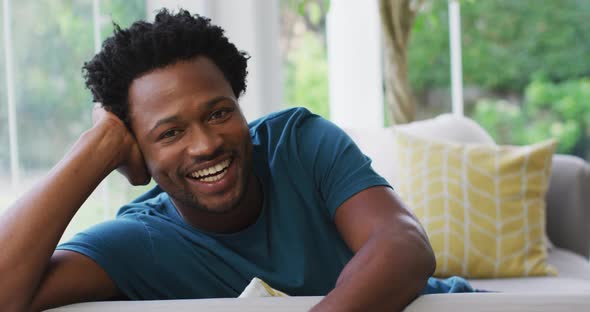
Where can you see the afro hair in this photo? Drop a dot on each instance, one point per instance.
(144, 47)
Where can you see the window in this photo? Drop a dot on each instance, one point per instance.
(4, 142)
(525, 69)
(50, 42)
(429, 60)
(534, 73)
(303, 48)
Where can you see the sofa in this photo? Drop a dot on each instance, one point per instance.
(567, 203)
(567, 229)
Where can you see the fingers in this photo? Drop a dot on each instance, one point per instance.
(131, 165)
(135, 178)
(136, 175)
(134, 169)
(97, 112)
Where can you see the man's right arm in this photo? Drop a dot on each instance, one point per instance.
(32, 276)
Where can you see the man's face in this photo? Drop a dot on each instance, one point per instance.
(192, 134)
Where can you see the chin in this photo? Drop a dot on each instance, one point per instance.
(218, 207)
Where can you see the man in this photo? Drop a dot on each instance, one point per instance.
(288, 199)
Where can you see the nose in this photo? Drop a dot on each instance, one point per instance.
(203, 143)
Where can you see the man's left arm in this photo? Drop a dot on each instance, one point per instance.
(393, 257)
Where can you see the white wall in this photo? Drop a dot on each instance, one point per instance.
(355, 64)
(253, 26)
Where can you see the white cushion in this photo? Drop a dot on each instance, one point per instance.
(506, 302)
(574, 276)
(258, 304)
(523, 302)
(448, 127)
(569, 264)
(534, 285)
(377, 143)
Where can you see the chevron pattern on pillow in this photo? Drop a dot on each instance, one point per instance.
(482, 205)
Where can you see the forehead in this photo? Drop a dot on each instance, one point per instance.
(159, 91)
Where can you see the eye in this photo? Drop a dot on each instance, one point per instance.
(170, 134)
(220, 115)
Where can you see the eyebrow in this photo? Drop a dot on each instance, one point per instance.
(209, 105)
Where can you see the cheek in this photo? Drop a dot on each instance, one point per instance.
(157, 164)
(246, 140)
(152, 170)
(235, 135)
(243, 132)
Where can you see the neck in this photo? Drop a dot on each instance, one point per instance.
(245, 214)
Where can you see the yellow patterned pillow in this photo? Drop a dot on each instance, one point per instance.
(483, 206)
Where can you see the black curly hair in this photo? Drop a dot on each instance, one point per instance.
(144, 46)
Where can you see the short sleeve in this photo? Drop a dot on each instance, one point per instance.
(339, 168)
(122, 248)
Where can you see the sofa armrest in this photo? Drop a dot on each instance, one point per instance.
(568, 204)
(502, 301)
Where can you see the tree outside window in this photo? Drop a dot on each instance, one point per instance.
(526, 68)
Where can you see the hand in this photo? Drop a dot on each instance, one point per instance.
(130, 162)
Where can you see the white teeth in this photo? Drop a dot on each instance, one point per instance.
(211, 170)
(214, 178)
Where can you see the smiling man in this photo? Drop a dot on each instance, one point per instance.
(288, 198)
(197, 146)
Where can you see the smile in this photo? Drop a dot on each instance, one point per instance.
(213, 173)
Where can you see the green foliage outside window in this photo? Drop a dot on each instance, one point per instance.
(504, 43)
(306, 76)
(527, 58)
(51, 41)
(305, 61)
(558, 110)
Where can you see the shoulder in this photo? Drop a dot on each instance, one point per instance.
(292, 125)
(284, 119)
(154, 201)
(113, 236)
(114, 245)
(130, 231)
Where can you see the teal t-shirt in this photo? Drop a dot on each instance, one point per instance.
(307, 168)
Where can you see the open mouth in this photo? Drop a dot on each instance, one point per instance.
(213, 173)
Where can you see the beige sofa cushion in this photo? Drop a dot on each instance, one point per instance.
(523, 302)
(574, 276)
(568, 204)
(487, 302)
(569, 264)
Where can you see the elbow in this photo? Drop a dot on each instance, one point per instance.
(430, 260)
(422, 243)
(418, 244)
(418, 257)
(424, 270)
(429, 257)
(423, 261)
(419, 250)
